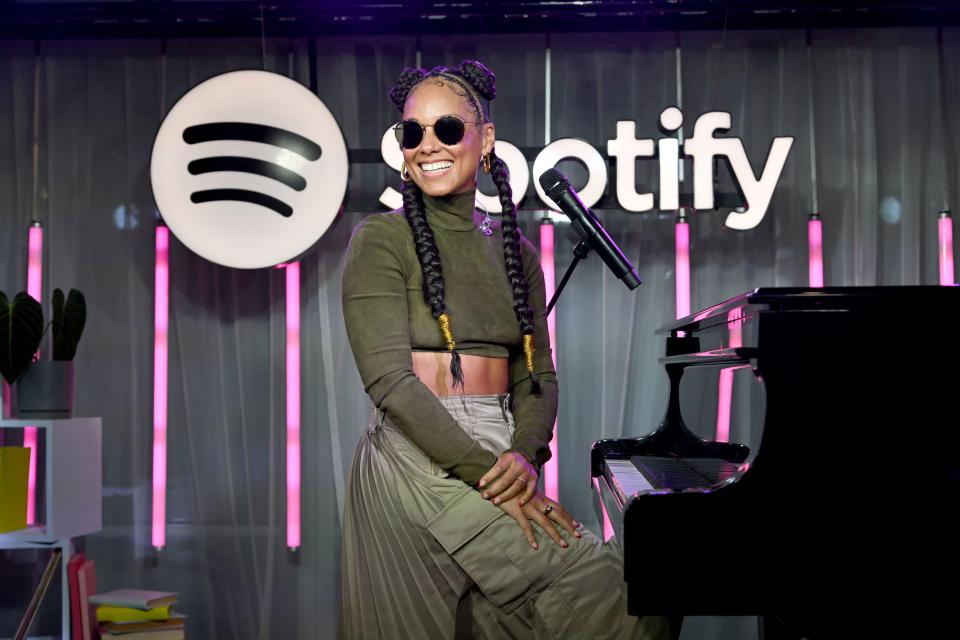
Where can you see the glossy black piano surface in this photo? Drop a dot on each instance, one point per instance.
(849, 503)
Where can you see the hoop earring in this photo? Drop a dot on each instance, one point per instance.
(486, 163)
(404, 174)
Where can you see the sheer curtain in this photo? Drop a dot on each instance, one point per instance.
(87, 111)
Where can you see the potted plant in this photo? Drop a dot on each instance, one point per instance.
(46, 389)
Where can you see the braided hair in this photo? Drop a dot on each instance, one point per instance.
(477, 83)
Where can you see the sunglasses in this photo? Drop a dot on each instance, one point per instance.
(448, 129)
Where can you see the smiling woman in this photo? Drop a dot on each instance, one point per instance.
(446, 533)
(443, 142)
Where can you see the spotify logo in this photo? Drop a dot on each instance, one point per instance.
(249, 169)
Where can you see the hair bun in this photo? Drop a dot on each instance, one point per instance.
(480, 78)
(408, 79)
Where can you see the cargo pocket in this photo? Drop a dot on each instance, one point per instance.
(460, 528)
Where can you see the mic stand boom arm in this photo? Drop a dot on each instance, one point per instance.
(580, 251)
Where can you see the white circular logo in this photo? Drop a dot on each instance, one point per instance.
(249, 169)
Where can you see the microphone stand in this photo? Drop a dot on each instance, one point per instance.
(580, 251)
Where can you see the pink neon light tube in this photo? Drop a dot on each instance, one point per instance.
(293, 404)
(683, 266)
(160, 325)
(815, 240)
(945, 252)
(35, 290)
(551, 470)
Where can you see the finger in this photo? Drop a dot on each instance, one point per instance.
(550, 528)
(492, 473)
(560, 516)
(527, 529)
(514, 489)
(529, 493)
(507, 478)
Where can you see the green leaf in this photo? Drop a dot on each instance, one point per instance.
(21, 328)
(74, 320)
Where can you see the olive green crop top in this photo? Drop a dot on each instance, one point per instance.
(386, 318)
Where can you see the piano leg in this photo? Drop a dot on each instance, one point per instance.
(774, 628)
(675, 622)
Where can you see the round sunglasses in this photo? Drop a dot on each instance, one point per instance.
(448, 129)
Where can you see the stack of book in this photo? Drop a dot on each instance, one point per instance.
(135, 614)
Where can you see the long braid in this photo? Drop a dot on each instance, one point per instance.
(433, 284)
(513, 259)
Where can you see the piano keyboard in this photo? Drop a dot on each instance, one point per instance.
(625, 479)
(641, 474)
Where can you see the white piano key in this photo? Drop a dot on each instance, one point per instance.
(627, 479)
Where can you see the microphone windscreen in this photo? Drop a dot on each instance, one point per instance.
(552, 182)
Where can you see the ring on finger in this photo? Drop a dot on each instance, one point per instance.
(547, 510)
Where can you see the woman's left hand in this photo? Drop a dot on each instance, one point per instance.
(511, 475)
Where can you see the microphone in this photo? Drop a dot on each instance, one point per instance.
(558, 188)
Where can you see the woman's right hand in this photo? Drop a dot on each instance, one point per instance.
(550, 523)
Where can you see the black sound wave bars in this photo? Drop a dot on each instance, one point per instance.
(248, 132)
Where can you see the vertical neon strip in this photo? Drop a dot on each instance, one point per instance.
(815, 240)
(945, 228)
(293, 404)
(551, 470)
(683, 265)
(35, 290)
(725, 399)
(161, 299)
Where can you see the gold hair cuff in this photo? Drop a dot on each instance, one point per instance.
(444, 321)
(528, 350)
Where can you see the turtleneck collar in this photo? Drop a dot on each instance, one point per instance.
(453, 212)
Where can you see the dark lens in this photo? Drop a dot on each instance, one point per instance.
(409, 134)
(449, 130)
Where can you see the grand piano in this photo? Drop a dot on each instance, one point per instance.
(844, 517)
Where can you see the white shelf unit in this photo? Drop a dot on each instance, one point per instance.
(73, 492)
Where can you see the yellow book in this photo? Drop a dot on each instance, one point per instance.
(14, 464)
(107, 613)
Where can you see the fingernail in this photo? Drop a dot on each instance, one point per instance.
(577, 524)
(577, 533)
(484, 496)
(482, 483)
(521, 503)
(535, 546)
(564, 545)
(496, 501)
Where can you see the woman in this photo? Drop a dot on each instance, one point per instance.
(445, 314)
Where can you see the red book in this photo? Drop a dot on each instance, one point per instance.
(73, 571)
(87, 581)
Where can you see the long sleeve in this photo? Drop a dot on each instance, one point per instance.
(376, 316)
(535, 415)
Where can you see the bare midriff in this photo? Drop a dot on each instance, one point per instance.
(481, 375)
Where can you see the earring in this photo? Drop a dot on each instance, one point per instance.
(404, 174)
(485, 223)
(486, 163)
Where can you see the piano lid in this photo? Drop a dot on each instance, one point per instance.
(806, 298)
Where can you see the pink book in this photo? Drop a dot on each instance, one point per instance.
(87, 578)
(73, 570)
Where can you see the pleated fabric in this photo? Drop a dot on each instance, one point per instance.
(424, 556)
